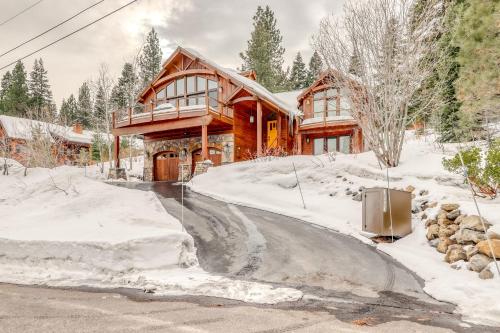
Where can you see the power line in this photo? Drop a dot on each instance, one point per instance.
(70, 34)
(21, 12)
(54, 27)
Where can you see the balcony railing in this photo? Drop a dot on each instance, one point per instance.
(166, 111)
(327, 120)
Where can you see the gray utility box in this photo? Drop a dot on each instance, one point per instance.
(377, 211)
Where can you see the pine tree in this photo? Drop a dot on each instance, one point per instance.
(264, 53)
(16, 97)
(124, 93)
(84, 110)
(150, 59)
(39, 89)
(478, 41)
(4, 87)
(298, 75)
(315, 67)
(100, 105)
(96, 147)
(68, 111)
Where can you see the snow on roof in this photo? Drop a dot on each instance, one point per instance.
(22, 128)
(251, 85)
(290, 97)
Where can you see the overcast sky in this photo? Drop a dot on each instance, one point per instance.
(217, 28)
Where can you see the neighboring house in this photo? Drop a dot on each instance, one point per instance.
(196, 110)
(16, 134)
(327, 124)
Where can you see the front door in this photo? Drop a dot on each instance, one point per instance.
(166, 166)
(272, 134)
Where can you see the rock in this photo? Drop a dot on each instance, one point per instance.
(470, 251)
(478, 262)
(430, 222)
(447, 231)
(453, 214)
(493, 235)
(486, 274)
(348, 192)
(410, 188)
(458, 265)
(423, 216)
(434, 242)
(449, 207)
(455, 253)
(415, 208)
(423, 204)
(464, 236)
(332, 194)
(344, 179)
(423, 192)
(339, 176)
(432, 204)
(443, 244)
(432, 231)
(357, 197)
(361, 188)
(459, 219)
(484, 248)
(474, 222)
(413, 196)
(149, 289)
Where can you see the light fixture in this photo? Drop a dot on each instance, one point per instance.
(251, 119)
(220, 89)
(307, 139)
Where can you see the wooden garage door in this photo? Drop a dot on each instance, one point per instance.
(215, 155)
(167, 166)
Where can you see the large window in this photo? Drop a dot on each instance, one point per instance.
(330, 144)
(189, 91)
(329, 103)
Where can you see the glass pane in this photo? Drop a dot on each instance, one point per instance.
(182, 102)
(318, 148)
(170, 90)
(331, 92)
(160, 94)
(345, 144)
(212, 100)
(331, 144)
(180, 86)
(190, 81)
(331, 107)
(200, 82)
(345, 105)
(192, 101)
(319, 107)
(212, 84)
(319, 95)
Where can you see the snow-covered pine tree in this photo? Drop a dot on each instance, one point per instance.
(84, 110)
(39, 90)
(298, 75)
(4, 87)
(315, 68)
(264, 53)
(150, 59)
(16, 97)
(68, 111)
(99, 105)
(124, 93)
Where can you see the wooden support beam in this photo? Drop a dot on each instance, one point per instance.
(117, 151)
(279, 130)
(299, 144)
(204, 142)
(259, 128)
(163, 126)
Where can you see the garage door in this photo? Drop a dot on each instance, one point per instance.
(215, 155)
(167, 166)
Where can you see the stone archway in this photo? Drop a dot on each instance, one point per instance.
(166, 166)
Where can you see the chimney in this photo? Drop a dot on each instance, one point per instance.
(77, 128)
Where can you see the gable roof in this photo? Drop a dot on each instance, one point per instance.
(22, 128)
(249, 84)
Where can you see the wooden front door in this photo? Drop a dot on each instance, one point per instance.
(214, 154)
(272, 134)
(166, 166)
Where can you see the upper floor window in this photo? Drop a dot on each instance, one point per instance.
(330, 102)
(188, 91)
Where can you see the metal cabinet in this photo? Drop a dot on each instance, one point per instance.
(379, 204)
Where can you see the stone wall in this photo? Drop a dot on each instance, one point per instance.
(185, 148)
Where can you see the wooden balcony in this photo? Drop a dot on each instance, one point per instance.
(151, 113)
(333, 121)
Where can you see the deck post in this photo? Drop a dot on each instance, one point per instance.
(299, 143)
(117, 152)
(259, 128)
(204, 142)
(278, 139)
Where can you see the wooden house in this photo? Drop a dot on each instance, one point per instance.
(196, 110)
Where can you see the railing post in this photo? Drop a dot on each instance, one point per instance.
(113, 121)
(206, 101)
(177, 108)
(152, 114)
(130, 116)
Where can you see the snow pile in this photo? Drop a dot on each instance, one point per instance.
(58, 227)
(325, 182)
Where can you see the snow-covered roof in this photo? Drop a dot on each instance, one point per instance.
(249, 84)
(22, 128)
(289, 97)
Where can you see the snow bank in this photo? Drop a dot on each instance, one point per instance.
(271, 185)
(58, 227)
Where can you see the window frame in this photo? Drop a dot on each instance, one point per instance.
(337, 138)
(200, 93)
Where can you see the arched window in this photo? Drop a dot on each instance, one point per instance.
(189, 91)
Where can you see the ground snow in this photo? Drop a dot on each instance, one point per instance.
(271, 184)
(59, 227)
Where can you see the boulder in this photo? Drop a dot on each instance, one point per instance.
(453, 214)
(434, 242)
(423, 216)
(484, 248)
(443, 244)
(410, 188)
(348, 192)
(449, 206)
(415, 208)
(465, 236)
(455, 253)
(432, 204)
(493, 235)
(432, 231)
(357, 197)
(423, 192)
(447, 231)
(478, 262)
(430, 222)
(470, 251)
(361, 188)
(459, 219)
(486, 274)
(474, 222)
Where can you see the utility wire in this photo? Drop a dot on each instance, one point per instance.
(21, 12)
(70, 34)
(54, 27)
